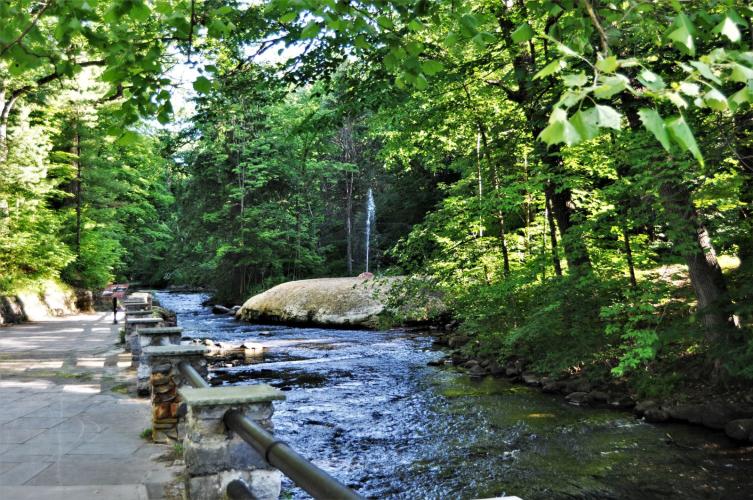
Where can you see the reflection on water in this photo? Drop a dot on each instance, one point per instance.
(365, 407)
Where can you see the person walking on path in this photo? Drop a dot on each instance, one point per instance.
(114, 310)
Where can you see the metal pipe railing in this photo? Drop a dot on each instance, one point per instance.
(303, 473)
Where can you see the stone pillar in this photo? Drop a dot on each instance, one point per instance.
(132, 339)
(164, 381)
(136, 304)
(162, 335)
(214, 454)
(147, 313)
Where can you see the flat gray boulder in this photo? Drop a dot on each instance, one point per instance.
(334, 302)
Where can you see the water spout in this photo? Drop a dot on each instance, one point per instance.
(370, 219)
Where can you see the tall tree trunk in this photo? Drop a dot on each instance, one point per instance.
(563, 209)
(5, 108)
(629, 256)
(552, 235)
(693, 240)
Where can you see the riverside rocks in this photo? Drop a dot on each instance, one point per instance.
(740, 429)
(218, 309)
(731, 413)
(338, 302)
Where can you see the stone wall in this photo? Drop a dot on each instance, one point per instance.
(47, 299)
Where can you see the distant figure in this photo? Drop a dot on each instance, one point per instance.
(114, 310)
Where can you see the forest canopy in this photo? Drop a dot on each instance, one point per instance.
(575, 176)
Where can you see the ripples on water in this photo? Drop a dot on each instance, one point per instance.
(364, 406)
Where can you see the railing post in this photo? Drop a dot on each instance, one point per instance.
(164, 335)
(164, 381)
(216, 456)
(132, 338)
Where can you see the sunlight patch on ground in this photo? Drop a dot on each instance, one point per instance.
(82, 389)
(30, 364)
(90, 362)
(16, 384)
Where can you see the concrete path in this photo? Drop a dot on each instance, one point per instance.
(68, 428)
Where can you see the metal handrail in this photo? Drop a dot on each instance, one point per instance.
(303, 473)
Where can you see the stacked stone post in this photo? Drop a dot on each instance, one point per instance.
(164, 381)
(132, 338)
(214, 454)
(158, 336)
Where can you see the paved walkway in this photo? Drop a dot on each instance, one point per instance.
(68, 428)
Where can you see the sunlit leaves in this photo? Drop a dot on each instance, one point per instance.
(728, 28)
(610, 86)
(682, 32)
(655, 124)
(522, 33)
(607, 65)
(202, 85)
(431, 67)
(553, 67)
(682, 135)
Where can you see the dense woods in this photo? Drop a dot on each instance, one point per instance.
(576, 177)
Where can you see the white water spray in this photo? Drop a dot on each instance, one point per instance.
(370, 219)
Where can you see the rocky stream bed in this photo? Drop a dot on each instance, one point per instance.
(368, 407)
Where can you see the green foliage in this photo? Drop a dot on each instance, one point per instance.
(635, 320)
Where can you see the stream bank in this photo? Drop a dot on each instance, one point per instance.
(728, 409)
(366, 407)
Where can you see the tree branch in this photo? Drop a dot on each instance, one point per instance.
(597, 24)
(25, 32)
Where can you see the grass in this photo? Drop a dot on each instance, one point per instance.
(146, 434)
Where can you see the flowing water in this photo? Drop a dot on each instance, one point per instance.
(365, 406)
(370, 221)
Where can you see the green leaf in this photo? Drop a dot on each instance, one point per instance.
(128, 138)
(385, 22)
(202, 85)
(289, 17)
(715, 100)
(739, 98)
(610, 86)
(451, 39)
(728, 28)
(553, 67)
(575, 80)
(651, 80)
(560, 130)
(311, 30)
(683, 33)
(608, 117)
(421, 82)
(431, 67)
(681, 133)
(689, 88)
(361, 43)
(705, 71)
(522, 33)
(607, 65)
(139, 11)
(677, 100)
(586, 123)
(741, 73)
(654, 124)
(415, 25)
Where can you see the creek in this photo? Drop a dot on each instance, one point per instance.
(364, 406)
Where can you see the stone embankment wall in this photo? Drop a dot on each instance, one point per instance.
(47, 299)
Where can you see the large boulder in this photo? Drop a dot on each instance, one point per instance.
(334, 302)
